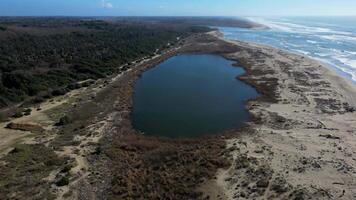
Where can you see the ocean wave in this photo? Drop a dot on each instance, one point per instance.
(312, 41)
(294, 45)
(335, 47)
(347, 71)
(297, 28)
(351, 52)
(347, 61)
(301, 51)
(322, 54)
(339, 38)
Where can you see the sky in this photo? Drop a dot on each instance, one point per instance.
(176, 7)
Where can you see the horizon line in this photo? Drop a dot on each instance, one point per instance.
(178, 15)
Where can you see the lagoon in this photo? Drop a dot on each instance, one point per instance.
(190, 96)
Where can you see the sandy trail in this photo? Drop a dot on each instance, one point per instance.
(302, 145)
(40, 115)
(305, 142)
(11, 137)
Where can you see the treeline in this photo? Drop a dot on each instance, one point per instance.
(43, 65)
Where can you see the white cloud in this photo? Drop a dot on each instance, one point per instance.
(106, 4)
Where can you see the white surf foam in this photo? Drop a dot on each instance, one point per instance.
(296, 28)
(341, 38)
(312, 41)
(301, 51)
(323, 42)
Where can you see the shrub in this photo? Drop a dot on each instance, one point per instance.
(3, 102)
(27, 111)
(17, 79)
(63, 181)
(38, 100)
(26, 167)
(66, 169)
(97, 151)
(59, 92)
(18, 114)
(73, 86)
(64, 121)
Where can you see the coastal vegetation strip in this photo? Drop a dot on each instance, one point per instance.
(298, 129)
(63, 130)
(40, 59)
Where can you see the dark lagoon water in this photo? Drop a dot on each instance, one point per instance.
(189, 96)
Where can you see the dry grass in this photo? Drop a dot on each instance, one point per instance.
(152, 168)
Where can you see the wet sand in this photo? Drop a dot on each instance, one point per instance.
(303, 142)
(300, 144)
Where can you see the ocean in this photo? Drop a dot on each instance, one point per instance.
(331, 40)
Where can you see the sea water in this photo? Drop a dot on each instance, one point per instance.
(329, 39)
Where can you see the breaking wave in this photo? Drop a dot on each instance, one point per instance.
(330, 39)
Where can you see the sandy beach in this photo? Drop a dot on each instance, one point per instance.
(301, 143)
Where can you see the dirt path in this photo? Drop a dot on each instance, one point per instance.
(304, 143)
(11, 137)
(94, 110)
(39, 114)
(301, 144)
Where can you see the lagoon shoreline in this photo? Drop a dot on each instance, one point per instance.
(309, 122)
(304, 119)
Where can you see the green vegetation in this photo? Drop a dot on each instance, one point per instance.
(63, 181)
(27, 111)
(18, 115)
(26, 167)
(66, 169)
(21, 112)
(64, 121)
(45, 57)
(52, 55)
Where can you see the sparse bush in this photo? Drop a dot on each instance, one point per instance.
(3, 102)
(64, 121)
(27, 111)
(74, 86)
(66, 169)
(38, 100)
(18, 114)
(63, 181)
(97, 151)
(26, 167)
(59, 92)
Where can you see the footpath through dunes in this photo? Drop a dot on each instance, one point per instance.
(299, 145)
(303, 144)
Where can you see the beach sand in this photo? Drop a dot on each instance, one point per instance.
(301, 143)
(304, 137)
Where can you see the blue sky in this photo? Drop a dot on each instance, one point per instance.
(176, 7)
